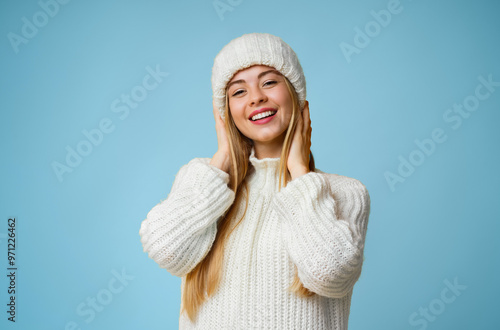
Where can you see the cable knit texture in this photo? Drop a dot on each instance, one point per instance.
(317, 222)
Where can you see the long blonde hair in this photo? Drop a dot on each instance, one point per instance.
(203, 280)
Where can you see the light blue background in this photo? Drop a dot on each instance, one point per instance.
(441, 223)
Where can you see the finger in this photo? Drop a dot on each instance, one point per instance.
(306, 103)
(307, 117)
(298, 129)
(217, 116)
(305, 120)
(214, 109)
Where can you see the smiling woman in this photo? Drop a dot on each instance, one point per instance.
(265, 122)
(260, 237)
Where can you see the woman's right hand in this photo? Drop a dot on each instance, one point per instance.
(222, 158)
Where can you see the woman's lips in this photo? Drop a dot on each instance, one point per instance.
(264, 120)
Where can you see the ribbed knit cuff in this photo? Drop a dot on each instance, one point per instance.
(309, 184)
(202, 176)
(321, 245)
(179, 231)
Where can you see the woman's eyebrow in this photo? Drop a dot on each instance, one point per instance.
(263, 73)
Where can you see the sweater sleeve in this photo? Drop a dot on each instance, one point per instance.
(324, 220)
(179, 231)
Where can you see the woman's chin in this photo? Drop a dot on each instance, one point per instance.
(268, 139)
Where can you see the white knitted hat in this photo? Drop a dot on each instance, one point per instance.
(252, 49)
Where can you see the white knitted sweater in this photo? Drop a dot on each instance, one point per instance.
(317, 222)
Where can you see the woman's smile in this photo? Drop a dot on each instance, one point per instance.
(264, 117)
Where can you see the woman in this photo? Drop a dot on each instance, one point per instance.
(260, 237)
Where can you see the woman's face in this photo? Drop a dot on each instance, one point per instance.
(259, 89)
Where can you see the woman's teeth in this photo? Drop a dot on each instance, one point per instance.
(263, 114)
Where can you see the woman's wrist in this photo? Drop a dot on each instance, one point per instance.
(297, 172)
(220, 161)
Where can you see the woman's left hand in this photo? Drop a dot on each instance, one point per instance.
(298, 158)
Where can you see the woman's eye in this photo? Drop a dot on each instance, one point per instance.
(267, 83)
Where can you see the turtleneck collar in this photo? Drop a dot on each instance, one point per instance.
(265, 176)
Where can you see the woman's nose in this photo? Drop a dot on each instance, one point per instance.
(257, 96)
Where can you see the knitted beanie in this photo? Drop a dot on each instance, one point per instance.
(255, 49)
